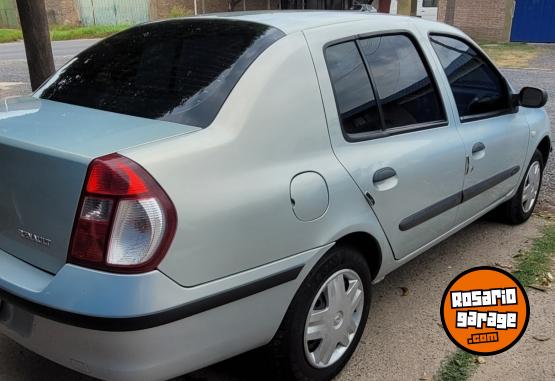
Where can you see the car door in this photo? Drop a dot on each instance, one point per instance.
(494, 134)
(395, 141)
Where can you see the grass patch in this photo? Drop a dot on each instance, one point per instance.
(533, 266)
(512, 54)
(67, 32)
(10, 35)
(458, 367)
(59, 33)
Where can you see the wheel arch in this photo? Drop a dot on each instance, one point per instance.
(545, 148)
(368, 246)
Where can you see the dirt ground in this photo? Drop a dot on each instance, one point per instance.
(404, 340)
(533, 357)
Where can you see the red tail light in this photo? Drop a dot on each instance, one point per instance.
(125, 220)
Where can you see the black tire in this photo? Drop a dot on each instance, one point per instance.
(512, 211)
(287, 351)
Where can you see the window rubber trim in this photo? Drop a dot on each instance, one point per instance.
(487, 115)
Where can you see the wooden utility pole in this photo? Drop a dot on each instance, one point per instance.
(34, 25)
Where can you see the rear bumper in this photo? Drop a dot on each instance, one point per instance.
(144, 327)
(154, 319)
(157, 353)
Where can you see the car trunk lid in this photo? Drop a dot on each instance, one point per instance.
(45, 150)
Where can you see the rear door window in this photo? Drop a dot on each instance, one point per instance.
(178, 71)
(355, 98)
(382, 86)
(407, 94)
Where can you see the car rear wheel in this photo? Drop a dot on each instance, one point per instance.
(519, 208)
(325, 320)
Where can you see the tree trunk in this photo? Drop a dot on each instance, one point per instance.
(34, 25)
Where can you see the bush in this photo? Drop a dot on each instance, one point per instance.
(9, 35)
(178, 11)
(58, 33)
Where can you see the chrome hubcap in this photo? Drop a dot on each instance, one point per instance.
(334, 318)
(531, 186)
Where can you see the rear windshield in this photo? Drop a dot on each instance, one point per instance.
(178, 71)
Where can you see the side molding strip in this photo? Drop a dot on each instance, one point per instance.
(137, 323)
(456, 199)
(483, 186)
(430, 212)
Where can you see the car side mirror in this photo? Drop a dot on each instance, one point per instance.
(532, 97)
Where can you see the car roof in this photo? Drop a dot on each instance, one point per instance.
(295, 20)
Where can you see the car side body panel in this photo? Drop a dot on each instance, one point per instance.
(504, 139)
(429, 163)
(262, 138)
(527, 128)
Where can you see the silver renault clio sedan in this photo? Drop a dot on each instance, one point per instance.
(192, 189)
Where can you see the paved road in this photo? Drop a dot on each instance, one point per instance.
(14, 75)
(60, 49)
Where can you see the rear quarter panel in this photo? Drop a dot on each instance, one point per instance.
(230, 182)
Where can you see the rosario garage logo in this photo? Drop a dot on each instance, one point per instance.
(485, 310)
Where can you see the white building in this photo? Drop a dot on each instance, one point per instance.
(427, 9)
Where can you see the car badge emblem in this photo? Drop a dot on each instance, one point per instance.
(41, 240)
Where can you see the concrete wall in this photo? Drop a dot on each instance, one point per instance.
(66, 12)
(482, 20)
(8, 14)
(62, 12)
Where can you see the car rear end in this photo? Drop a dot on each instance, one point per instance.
(75, 219)
(83, 228)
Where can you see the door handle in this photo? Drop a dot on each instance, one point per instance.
(385, 179)
(478, 147)
(478, 151)
(383, 174)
